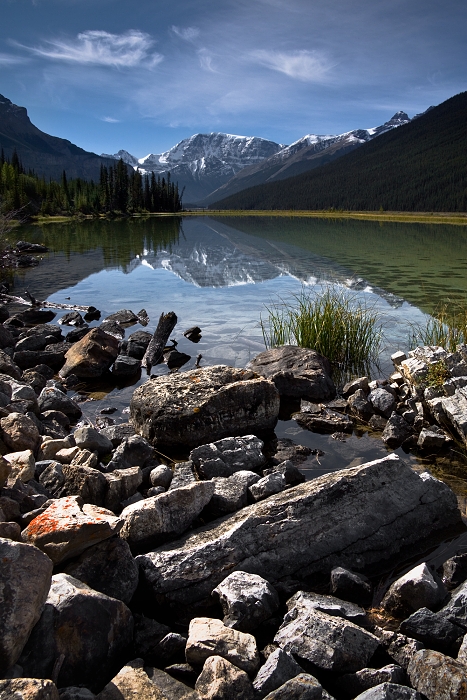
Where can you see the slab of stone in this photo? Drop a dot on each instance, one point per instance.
(68, 527)
(304, 601)
(162, 518)
(91, 356)
(296, 372)
(330, 643)
(209, 637)
(227, 456)
(326, 421)
(192, 408)
(437, 676)
(221, 679)
(91, 630)
(418, 588)
(25, 576)
(247, 600)
(365, 514)
(28, 689)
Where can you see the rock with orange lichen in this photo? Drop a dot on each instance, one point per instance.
(25, 575)
(68, 527)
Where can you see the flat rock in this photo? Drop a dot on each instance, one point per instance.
(296, 372)
(247, 600)
(161, 518)
(208, 637)
(90, 630)
(68, 527)
(324, 421)
(366, 514)
(91, 356)
(221, 679)
(204, 405)
(25, 577)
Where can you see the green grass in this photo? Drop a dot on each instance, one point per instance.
(334, 323)
(447, 327)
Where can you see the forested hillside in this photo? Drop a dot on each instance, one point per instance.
(421, 166)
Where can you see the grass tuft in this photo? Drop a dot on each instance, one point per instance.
(334, 323)
(446, 327)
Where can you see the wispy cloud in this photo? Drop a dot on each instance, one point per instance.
(205, 60)
(309, 66)
(7, 59)
(186, 33)
(110, 120)
(127, 50)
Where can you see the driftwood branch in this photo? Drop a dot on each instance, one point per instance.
(167, 323)
(9, 299)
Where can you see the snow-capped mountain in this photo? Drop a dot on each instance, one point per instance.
(307, 153)
(204, 162)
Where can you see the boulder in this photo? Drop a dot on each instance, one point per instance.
(170, 689)
(23, 465)
(87, 483)
(52, 399)
(19, 432)
(247, 600)
(221, 679)
(227, 456)
(90, 630)
(125, 366)
(121, 485)
(296, 372)
(437, 676)
(302, 687)
(25, 576)
(351, 586)
(28, 689)
(161, 518)
(205, 404)
(361, 383)
(382, 401)
(418, 588)
(280, 667)
(208, 637)
(267, 486)
(161, 476)
(289, 471)
(53, 356)
(91, 356)
(433, 630)
(88, 438)
(133, 451)
(355, 683)
(130, 683)
(399, 647)
(359, 405)
(107, 567)
(7, 366)
(389, 691)
(364, 514)
(68, 527)
(138, 343)
(396, 431)
(230, 493)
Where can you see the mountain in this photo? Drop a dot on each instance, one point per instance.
(420, 166)
(307, 153)
(204, 162)
(47, 155)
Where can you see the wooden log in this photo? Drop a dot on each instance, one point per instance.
(167, 323)
(10, 299)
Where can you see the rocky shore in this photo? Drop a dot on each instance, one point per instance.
(226, 575)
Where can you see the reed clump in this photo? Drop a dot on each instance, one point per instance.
(446, 327)
(333, 322)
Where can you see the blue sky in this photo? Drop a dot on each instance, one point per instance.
(111, 74)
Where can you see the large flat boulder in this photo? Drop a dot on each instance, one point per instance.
(202, 406)
(298, 373)
(357, 517)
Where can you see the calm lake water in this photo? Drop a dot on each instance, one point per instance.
(220, 273)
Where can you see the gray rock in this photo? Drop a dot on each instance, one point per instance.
(437, 676)
(183, 475)
(118, 433)
(302, 687)
(107, 567)
(456, 609)
(418, 588)
(296, 372)
(323, 420)
(304, 601)
(122, 484)
(396, 431)
(191, 408)
(221, 679)
(25, 577)
(125, 366)
(87, 483)
(123, 316)
(171, 646)
(330, 643)
(133, 451)
(75, 692)
(8, 366)
(230, 493)
(169, 687)
(389, 691)
(137, 344)
(10, 531)
(88, 438)
(455, 571)
(359, 405)
(287, 449)
(351, 586)
(247, 600)
(161, 476)
(399, 647)
(51, 399)
(382, 401)
(147, 634)
(267, 486)
(91, 630)
(208, 637)
(19, 433)
(279, 668)
(291, 474)
(227, 456)
(361, 514)
(355, 385)
(355, 683)
(28, 689)
(433, 630)
(430, 440)
(161, 518)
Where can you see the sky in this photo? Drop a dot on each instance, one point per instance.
(143, 75)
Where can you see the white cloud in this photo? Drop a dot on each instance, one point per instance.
(97, 47)
(10, 60)
(309, 66)
(110, 120)
(186, 33)
(205, 60)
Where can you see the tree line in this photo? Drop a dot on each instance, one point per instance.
(117, 192)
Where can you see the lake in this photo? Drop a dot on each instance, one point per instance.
(221, 274)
